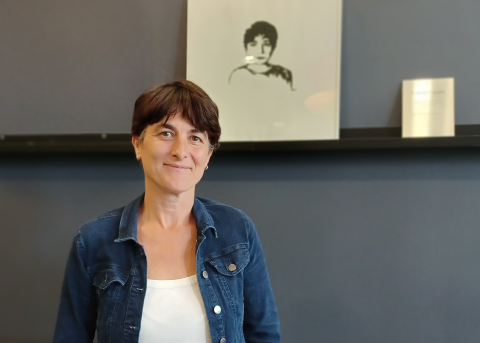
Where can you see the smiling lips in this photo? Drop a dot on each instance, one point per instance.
(176, 166)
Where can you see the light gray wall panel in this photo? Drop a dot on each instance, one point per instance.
(388, 41)
(77, 67)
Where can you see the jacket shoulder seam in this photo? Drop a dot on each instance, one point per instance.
(100, 218)
(246, 222)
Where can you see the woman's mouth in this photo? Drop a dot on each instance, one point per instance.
(178, 166)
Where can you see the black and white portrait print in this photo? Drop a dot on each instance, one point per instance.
(260, 41)
(271, 66)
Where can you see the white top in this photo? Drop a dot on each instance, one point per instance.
(174, 312)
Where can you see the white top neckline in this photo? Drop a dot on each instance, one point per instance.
(177, 283)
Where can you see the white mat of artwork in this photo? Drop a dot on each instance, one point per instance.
(271, 66)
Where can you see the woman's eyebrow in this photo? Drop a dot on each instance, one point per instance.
(168, 126)
(171, 127)
(195, 130)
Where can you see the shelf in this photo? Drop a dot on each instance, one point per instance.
(358, 138)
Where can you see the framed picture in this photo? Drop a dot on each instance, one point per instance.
(271, 66)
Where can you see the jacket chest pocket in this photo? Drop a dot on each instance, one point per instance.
(228, 267)
(230, 261)
(105, 277)
(110, 288)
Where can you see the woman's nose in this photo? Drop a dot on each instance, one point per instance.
(179, 148)
(263, 49)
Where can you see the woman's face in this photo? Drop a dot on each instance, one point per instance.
(259, 50)
(174, 155)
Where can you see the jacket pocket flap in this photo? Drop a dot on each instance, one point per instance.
(230, 261)
(105, 277)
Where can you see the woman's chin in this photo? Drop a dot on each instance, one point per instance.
(172, 187)
(177, 188)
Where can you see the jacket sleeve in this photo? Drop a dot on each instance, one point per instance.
(77, 314)
(261, 323)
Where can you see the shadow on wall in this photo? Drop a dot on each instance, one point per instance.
(365, 165)
(59, 167)
(395, 118)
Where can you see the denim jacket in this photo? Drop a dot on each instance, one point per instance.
(106, 278)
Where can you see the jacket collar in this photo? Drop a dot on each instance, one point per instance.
(129, 219)
(203, 219)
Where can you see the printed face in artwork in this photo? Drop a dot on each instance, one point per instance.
(260, 41)
(259, 50)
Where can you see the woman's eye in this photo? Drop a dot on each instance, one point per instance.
(166, 134)
(252, 44)
(196, 139)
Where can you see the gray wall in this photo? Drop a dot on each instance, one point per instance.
(77, 67)
(369, 247)
(362, 246)
(71, 66)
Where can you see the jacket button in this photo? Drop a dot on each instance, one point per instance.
(205, 274)
(223, 340)
(217, 309)
(232, 267)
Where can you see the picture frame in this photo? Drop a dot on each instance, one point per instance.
(271, 66)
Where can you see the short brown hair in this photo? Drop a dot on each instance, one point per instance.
(183, 97)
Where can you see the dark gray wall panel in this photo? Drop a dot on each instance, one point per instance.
(367, 247)
(41, 206)
(361, 246)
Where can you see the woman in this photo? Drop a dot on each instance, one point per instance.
(206, 278)
(260, 41)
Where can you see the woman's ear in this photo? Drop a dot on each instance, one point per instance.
(136, 146)
(210, 152)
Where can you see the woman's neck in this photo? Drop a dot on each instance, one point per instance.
(167, 211)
